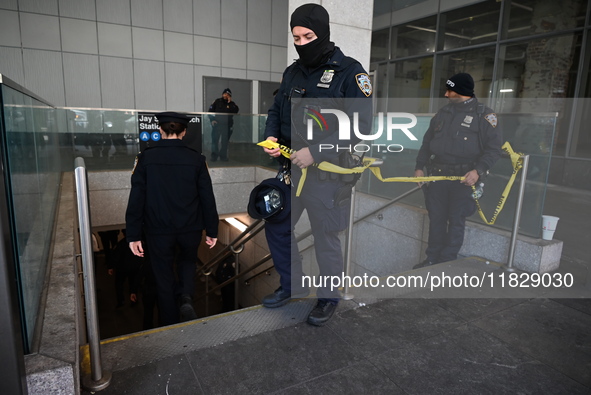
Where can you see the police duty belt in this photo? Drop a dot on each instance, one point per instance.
(516, 162)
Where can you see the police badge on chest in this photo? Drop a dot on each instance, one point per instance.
(326, 79)
(467, 121)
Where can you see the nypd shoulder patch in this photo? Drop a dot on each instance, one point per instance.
(364, 83)
(492, 119)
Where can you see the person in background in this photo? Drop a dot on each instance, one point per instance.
(463, 139)
(222, 125)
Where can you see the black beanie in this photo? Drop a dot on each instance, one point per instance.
(462, 84)
(314, 17)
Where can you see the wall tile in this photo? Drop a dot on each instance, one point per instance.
(47, 81)
(48, 7)
(149, 85)
(11, 64)
(207, 18)
(11, 35)
(178, 16)
(9, 4)
(116, 82)
(147, 43)
(280, 23)
(258, 76)
(82, 83)
(234, 73)
(233, 54)
(113, 11)
(40, 31)
(179, 81)
(279, 59)
(233, 21)
(83, 9)
(114, 40)
(146, 13)
(208, 51)
(178, 47)
(259, 13)
(78, 36)
(258, 57)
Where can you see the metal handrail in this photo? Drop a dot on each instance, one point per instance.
(300, 238)
(517, 217)
(250, 269)
(99, 379)
(513, 239)
(230, 248)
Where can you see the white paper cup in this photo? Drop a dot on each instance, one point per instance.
(548, 226)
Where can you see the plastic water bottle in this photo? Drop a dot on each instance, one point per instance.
(478, 191)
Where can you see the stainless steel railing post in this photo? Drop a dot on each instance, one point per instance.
(349, 239)
(517, 218)
(347, 295)
(98, 379)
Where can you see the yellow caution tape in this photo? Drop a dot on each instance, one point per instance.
(516, 162)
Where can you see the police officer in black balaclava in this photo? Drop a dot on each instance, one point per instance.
(322, 71)
(315, 18)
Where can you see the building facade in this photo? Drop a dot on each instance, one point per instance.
(515, 50)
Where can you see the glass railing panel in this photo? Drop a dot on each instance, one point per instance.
(32, 154)
(106, 139)
(532, 133)
(247, 130)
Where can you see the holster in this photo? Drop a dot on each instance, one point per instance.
(443, 169)
(345, 160)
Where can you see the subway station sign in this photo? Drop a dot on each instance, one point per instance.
(149, 131)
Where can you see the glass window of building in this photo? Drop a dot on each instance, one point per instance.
(543, 68)
(380, 43)
(540, 68)
(477, 62)
(411, 80)
(415, 38)
(528, 17)
(472, 25)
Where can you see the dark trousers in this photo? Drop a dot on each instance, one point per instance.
(122, 274)
(170, 284)
(220, 137)
(326, 224)
(448, 204)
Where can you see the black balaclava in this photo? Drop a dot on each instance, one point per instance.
(315, 18)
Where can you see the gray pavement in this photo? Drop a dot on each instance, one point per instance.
(534, 344)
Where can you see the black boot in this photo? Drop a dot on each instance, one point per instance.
(281, 297)
(321, 313)
(186, 308)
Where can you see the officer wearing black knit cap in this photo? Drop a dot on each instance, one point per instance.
(171, 202)
(463, 139)
(322, 71)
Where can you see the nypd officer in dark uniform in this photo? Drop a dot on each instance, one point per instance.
(171, 202)
(221, 125)
(321, 72)
(463, 139)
